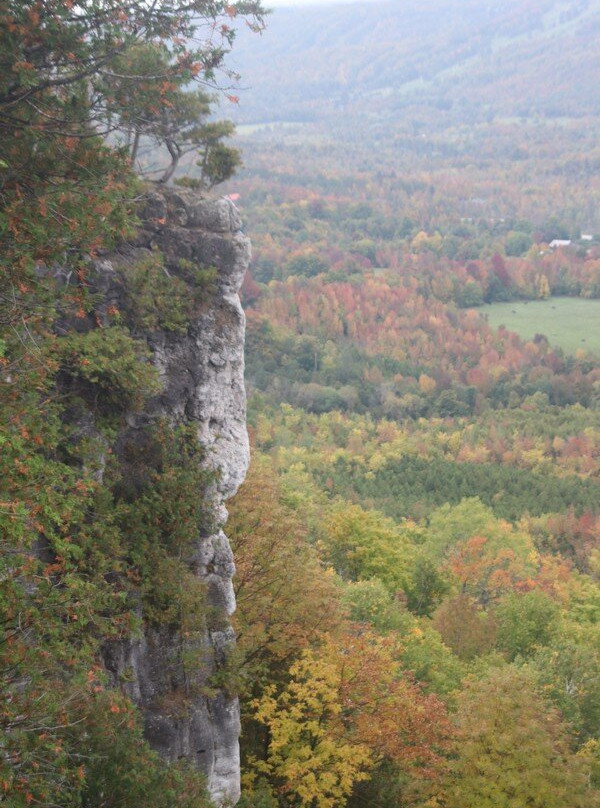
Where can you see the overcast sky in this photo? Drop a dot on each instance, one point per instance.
(278, 3)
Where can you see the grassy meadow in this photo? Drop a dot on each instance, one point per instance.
(569, 322)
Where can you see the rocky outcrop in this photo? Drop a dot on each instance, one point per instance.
(202, 382)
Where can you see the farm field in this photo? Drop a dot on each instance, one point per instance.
(569, 322)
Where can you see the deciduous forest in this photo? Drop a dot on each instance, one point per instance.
(417, 541)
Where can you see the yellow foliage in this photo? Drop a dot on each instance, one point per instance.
(364, 544)
(308, 752)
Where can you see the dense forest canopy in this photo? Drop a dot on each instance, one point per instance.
(427, 477)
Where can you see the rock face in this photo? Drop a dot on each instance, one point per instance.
(202, 374)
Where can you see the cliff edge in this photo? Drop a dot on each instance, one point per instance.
(187, 713)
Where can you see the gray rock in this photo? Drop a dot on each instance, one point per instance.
(215, 215)
(202, 373)
(153, 210)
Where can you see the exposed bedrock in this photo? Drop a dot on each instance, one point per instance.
(202, 375)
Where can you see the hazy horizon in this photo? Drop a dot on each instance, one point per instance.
(290, 3)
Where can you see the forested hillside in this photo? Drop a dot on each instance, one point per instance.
(455, 59)
(418, 540)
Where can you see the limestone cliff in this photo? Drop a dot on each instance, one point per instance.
(201, 373)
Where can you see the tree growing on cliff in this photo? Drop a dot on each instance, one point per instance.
(147, 99)
(60, 63)
(54, 53)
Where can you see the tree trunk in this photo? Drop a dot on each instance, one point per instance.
(135, 147)
(175, 153)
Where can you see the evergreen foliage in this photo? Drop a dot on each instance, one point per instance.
(94, 536)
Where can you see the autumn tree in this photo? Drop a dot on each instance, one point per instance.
(464, 626)
(309, 758)
(513, 749)
(486, 556)
(425, 587)
(363, 544)
(286, 600)
(56, 52)
(567, 670)
(346, 709)
(59, 179)
(526, 621)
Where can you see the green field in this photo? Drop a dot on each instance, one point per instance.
(569, 322)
